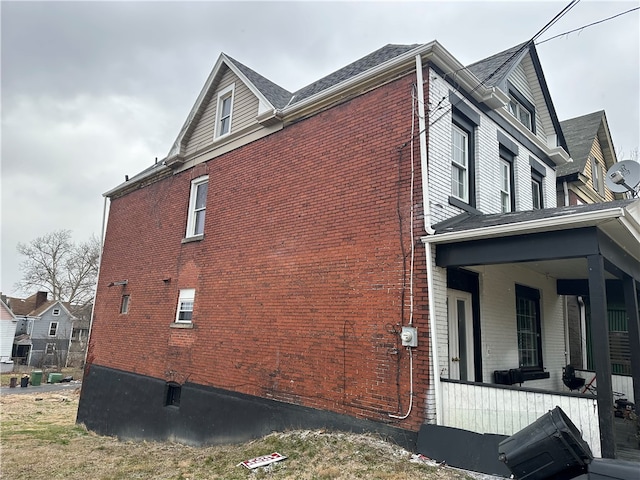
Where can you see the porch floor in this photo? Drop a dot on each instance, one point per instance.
(627, 441)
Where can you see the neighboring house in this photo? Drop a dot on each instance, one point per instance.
(580, 182)
(79, 335)
(371, 252)
(8, 324)
(591, 148)
(44, 330)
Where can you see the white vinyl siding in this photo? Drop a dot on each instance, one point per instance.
(245, 111)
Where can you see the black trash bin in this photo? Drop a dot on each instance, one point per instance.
(551, 447)
(24, 381)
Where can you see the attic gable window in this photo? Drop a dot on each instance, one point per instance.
(224, 111)
(197, 207)
(55, 312)
(597, 176)
(522, 109)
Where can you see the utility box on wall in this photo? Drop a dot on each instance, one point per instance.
(409, 337)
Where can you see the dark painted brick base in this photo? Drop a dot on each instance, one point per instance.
(131, 406)
(463, 449)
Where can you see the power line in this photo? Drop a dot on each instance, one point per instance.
(589, 25)
(524, 46)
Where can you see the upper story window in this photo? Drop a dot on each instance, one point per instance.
(55, 312)
(538, 172)
(507, 198)
(522, 109)
(53, 329)
(597, 177)
(186, 300)
(224, 111)
(460, 163)
(197, 206)
(536, 192)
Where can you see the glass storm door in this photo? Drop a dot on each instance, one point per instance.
(460, 335)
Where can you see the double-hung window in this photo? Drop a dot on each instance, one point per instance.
(459, 163)
(197, 207)
(522, 109)
(538, 173)
(50, 349)
(224, 111)
(528, 326)
(507, 199)
(53, 329)
(186, 299)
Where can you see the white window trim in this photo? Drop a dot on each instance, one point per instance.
(191, 216)
(53, 349)
(55, 312)
(57, 326)
(186, 294)
(464, 168)
(222, 95)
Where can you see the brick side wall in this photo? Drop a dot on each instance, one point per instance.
(302, 276)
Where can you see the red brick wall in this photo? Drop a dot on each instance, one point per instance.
(301, 278)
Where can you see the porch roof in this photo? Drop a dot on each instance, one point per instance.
(555, 241)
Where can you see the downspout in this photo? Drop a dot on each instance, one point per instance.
(424, 168)
(95, 290)
(566, 193)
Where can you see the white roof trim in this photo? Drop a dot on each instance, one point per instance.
(561, 222)
(263, 104)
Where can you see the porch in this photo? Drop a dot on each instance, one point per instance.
(504, 410)
(498, 294)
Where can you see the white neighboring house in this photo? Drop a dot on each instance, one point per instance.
(8, 325)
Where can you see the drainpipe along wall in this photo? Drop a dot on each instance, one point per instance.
(434, 388)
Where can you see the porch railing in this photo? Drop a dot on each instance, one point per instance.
(621, 384)
(485, 408)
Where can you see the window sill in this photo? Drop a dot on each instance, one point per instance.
(195, 238)
(534, 375)
(181, 325)
(456, 202)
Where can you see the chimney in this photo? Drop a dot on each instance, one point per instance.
(41, 297)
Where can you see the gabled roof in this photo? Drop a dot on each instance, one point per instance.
(580, 133)
(27, 307)
(503, 64)
(493, 70)
(275, 94)
(362, 65)
(7, 314)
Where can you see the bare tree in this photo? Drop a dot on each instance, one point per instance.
(54, 263)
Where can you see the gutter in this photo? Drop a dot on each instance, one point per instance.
(564, 222)
(154, 170)
(432, 51)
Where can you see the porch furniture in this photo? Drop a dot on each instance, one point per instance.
(570, 380)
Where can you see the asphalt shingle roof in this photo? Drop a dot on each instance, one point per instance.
(580, 133)
(468, 221)
(277, 96)
(504, 61)
(362, 65)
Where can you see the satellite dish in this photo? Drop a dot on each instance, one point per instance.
(623, 176)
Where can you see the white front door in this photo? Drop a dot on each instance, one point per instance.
(461, 365)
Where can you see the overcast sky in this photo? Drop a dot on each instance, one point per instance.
(94, 91)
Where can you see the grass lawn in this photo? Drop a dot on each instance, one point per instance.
(40, 440)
